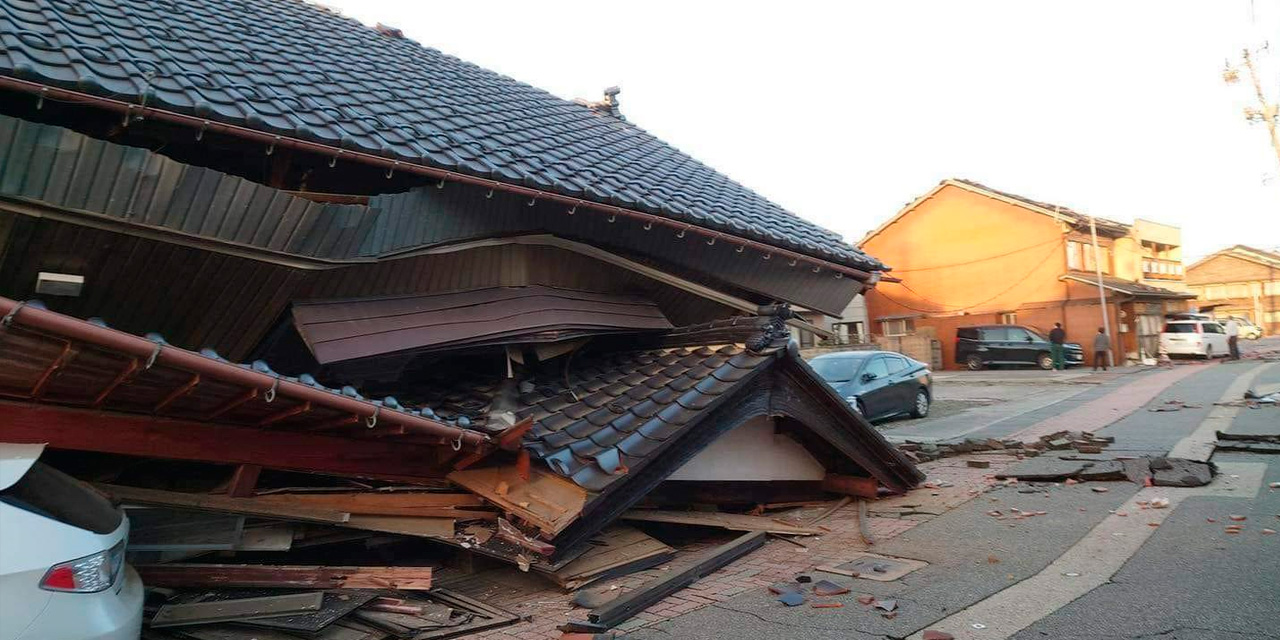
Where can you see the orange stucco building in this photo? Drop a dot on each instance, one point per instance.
(966, 254)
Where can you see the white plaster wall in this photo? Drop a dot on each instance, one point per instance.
(752, 452)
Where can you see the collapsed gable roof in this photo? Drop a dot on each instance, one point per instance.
(626, 420)
(300, 71)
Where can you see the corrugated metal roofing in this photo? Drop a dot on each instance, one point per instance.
(65, 169)
(340, 330)
(296, 69)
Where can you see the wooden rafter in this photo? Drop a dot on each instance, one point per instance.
(178, 393)
(125, 374)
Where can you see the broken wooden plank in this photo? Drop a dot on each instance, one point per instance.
(730, 521)
(558, 503)
(633, 602)
(442, 505)
(620, 550)
(244, 480)
(204, 576)
(408, 526)
(205, 502)
(174, 615)
(510, 533)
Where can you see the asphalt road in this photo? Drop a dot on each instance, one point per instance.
(1189, 581)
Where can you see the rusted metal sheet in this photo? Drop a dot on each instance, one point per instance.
(348, 329)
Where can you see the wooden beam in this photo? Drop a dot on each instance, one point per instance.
(244, 480)
(508, 440)
(224, 504)
(158, 437)
(232, 404)
(634, 602)
(285, 414)
(208, 576)
(178, 393)
(855, 486)
(57, 363)
(125, 374)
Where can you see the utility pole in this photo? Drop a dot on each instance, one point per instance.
(1102, 292)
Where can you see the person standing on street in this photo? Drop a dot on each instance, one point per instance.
(1101, 345)
(1056, 338)
(1233, 337)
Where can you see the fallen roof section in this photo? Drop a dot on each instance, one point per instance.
(614, 425)
(340, 330)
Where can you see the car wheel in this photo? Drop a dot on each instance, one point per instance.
(1044, 361)
(921, 408)
(1208, 352)
(974, 363)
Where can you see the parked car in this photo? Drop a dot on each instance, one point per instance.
(1009, 344)
(62, 569)
(878, 384)
(1204, 338)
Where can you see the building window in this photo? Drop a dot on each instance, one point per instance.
(1009, 317)
(1272, 288)
(1074, 261)
(850, 332)
(1273, 316)
(898, 327)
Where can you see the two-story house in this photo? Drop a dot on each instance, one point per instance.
(966, 254)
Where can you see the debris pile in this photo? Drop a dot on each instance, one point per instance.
(1248, 443)
(1081, 441)
(1160, 472)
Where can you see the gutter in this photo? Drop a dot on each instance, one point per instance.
(130, 111)
(32, 317)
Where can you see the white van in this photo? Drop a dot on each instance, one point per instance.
(1203, 338)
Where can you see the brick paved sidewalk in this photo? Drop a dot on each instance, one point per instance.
(1117, 404)
(950, 483)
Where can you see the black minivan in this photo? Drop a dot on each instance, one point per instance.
(1001, 344)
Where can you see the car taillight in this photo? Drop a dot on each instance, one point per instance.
(90, 574)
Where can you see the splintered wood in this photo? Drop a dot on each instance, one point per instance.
(547, 502)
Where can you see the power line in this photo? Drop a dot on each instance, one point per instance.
(976, 304)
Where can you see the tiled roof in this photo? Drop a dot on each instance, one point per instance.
(1128, 286)
(296, 69)
(617, 409)
(1079, 219)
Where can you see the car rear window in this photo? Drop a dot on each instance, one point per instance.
(53, 494)
(1188, 327)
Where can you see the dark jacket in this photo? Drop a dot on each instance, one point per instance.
(1057, 336)
(1101, 342)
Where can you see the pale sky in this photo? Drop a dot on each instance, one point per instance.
(843, 112)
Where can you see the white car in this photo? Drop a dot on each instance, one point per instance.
(1203, 338)
(62, 569)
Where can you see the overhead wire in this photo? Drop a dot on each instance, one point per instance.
(953, 308)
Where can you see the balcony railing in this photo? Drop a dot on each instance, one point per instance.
(1161, 269)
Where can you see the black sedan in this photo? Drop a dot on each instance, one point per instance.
(878, 384)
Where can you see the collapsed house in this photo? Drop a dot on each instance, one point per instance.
(266, 240)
